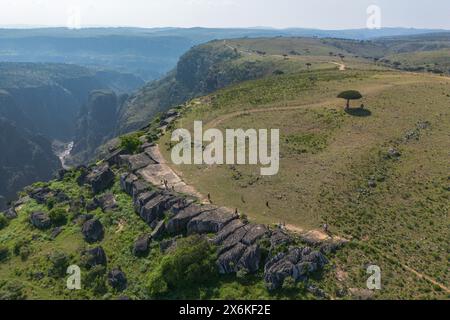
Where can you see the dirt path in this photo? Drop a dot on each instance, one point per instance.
(325, 103)
(342, 67)
(418, 274)
(429, 279)
(157, 173)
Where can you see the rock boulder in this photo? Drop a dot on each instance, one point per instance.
(100, 178)
(92, 231)
(40, 220)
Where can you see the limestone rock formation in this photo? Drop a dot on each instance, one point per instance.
(140, 247)
(92, 231)
(40, 220)
(117, 279)
(100, 178)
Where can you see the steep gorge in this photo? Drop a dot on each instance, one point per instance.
(40, 104)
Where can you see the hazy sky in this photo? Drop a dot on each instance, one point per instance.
(324, 14)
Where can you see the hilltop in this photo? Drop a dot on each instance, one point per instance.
(375, 175)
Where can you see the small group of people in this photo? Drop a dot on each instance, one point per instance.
(166, 185)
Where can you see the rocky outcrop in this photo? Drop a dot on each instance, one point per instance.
(127, 181)
(210, 221)
(279, 238)
(92, 231)
(228, 261)
(94, 257)
(159, 230)
(40, 195)
(40, 220)
(56, 232)
(117, 279)
(178, 224)
(238, 247)
(100, 178)
(138, 161)
(154, 209)
(254, 233)
(296, 263)
(140, 248)
(227, 231)
(107, 202)
(250, 259)
(10, 214)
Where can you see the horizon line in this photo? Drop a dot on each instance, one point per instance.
(25, 27)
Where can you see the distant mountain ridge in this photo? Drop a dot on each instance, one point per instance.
(148, 53)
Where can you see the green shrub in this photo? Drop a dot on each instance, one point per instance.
(21, 249)
(95, 279)
(191, 264)
(131, 142)
(59, 263)
(51, 203)
(289, 283)
(24, 253)
(58, 216)
(3, 221)
(11, 291)
(4, 253)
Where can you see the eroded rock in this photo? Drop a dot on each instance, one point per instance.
(297, 263)
(138, 161)
(228, 261)
(250, 259)
(117, 279)
(254, 233)
(92, 231)
(100, 178)
(107, 202)
(210, 221)
(159, 230)
(227, 231)
(40, 220)
(10, 214)
(126, 182)
(279, 238)
(177, 225)
(155, 207)
(140, 248)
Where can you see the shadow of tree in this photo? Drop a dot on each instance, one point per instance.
(358, 112)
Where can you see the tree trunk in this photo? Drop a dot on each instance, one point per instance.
(348, 104)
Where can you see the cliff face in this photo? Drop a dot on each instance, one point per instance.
(25, 158)
(96, 123)
(202, 70)
(195, 75)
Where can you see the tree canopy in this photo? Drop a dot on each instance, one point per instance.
(350, 95)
